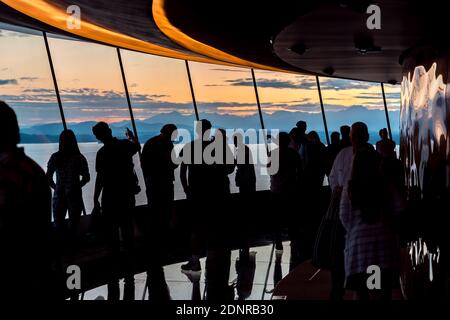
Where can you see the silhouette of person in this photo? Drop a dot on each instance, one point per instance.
(314, 166)
(302, 139)
(223, 165)
(369, 239)
(339, 178)
(245, 269)
(218, 263)
(25, 218)
(245, 169)
(283, 184)
(385, 146)
(116, 181)
(311, 183)
(246, 182)
(295, 140)
(345, 137)
(158, 169)
(157, 285)
(301, 126)
(332, 150)
(69, 165)
(195, 176)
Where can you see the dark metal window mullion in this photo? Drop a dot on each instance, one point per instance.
(55, 82)
(323, 111)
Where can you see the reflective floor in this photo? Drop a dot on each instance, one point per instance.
(252, 279)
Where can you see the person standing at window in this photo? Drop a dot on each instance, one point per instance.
(72, 174)
(116, 181)
(385, 146)
(158, 169)
(245, 169)
(283, 185)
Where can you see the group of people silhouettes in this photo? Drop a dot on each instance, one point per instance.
(369, 185)
(368, 180)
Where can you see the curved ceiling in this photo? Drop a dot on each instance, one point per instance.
(99, 22)
(342, 45)
(314, 37)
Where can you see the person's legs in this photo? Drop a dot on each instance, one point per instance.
(127, 231)
(163, 211)
(60, 207)
(196, 224)
(246, 194)
(112, 237)
(277, 211)
(74, 224)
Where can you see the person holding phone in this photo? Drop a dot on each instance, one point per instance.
(116, 182)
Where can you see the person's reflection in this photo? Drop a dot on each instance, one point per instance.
(245, 269)
(218, 262)
(277, 273)
(194, 278)
(157, 285)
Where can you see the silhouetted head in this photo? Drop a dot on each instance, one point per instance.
(168, 129)
(301, 125)
(359, 134)
(102, 131)
(294, 133)
(238, 139)
(9, 127)
(68, 144)
(313, 137)
(383, 134)
(335, 137)
(202, 127)
(345, 132)
(283, 140)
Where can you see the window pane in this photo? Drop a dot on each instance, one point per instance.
(287, 98)
(349, 101)
(226, 97)
(26, 85)
(160, 94)
(91, 89)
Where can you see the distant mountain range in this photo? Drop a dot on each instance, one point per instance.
(282, 120)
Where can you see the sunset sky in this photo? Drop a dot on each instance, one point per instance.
(92, 89)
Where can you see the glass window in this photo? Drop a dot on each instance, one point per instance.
(287, 98)
(92, 90)
(349, 101)
(160, 94)
(26, 85)
(226, 97)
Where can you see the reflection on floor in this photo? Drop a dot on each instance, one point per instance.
(256, 281)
